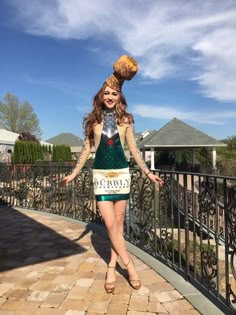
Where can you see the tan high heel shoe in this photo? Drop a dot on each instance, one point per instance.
(134, 283)
(109, 286)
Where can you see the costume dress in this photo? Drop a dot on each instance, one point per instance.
(111, 177)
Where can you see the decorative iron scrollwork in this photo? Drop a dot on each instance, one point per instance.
(207, 201)
(209, 268)
(85, 203)
(141, 209)
(231, 243)
(166, 239)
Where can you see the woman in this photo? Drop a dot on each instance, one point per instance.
(107, 127)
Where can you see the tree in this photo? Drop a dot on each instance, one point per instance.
(27, 152)
(226, 157)
(231, 142)
(228, 152)
(26, 136)
(61, 153)
(18, 116)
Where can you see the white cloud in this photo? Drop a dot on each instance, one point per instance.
(167, 38)
(166, 113)
(65, 19)
(218, 59)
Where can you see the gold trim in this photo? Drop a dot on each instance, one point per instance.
(112, 174)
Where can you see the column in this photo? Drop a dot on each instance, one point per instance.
(214, 158)
(152, 159)
(143, 154)
(194, 156)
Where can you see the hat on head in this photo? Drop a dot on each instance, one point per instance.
(125, 68)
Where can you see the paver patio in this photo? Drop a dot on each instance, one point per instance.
(50, 265)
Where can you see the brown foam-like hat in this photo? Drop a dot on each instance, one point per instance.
(125, 68)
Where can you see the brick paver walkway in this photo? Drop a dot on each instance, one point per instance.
(49, 265)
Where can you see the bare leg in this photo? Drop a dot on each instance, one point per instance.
(107, 210)
(119, 209)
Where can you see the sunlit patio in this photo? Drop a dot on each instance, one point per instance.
(56, 265)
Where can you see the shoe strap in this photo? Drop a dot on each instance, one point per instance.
(111, 267)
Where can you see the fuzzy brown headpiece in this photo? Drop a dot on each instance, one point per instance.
(125, 68)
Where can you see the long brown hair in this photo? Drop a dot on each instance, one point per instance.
(96, 115)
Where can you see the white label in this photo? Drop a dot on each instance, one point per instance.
(108, 182)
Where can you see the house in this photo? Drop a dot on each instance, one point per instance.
(69, 139)
(7, 142)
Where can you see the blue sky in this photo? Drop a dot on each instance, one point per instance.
(56, 54)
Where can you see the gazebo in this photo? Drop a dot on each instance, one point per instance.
(176, 135)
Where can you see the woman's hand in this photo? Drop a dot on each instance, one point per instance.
(156, 179)
(67, 179)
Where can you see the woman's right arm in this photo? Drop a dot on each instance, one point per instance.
(84, 154)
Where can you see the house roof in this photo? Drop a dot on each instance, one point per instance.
(138, 136)
(67, 139)
(141, 135)
(147, 138)
(176, 133)
(9, 137)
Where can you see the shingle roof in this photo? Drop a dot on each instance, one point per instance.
(176, 133)
(138, 134)
(9, 137)
(147, 138)
(67, 139)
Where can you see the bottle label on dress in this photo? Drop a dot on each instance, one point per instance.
(106, 182)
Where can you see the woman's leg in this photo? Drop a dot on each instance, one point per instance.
(119, 210)
(107, 210)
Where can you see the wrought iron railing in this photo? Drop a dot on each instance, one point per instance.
(189, 223)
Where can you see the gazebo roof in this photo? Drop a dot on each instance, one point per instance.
(177, 134)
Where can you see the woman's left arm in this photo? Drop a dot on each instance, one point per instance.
(137, 155)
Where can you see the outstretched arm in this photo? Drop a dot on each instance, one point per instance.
(137, 155)
(84, 154)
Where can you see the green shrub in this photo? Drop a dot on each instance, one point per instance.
(61, 153)
(27, 152)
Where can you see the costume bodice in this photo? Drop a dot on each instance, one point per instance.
(110, 153)
(119, 133)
